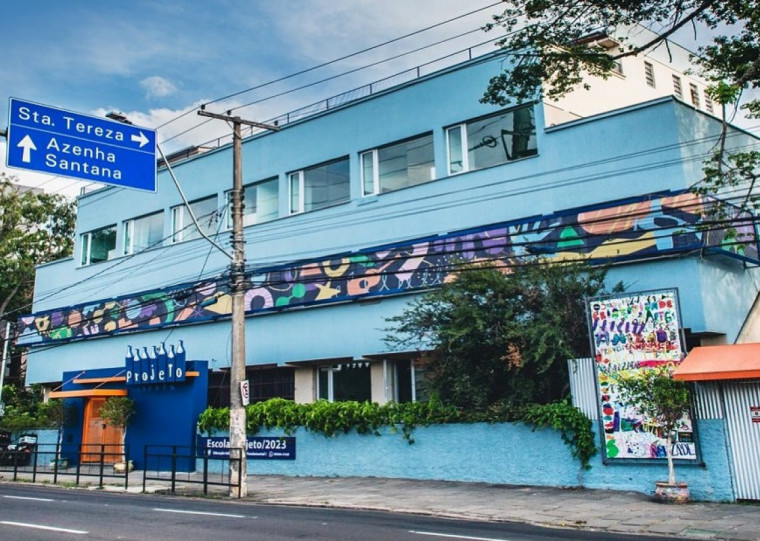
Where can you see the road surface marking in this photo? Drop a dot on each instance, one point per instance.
(451, 536)
(30, 498)
(197, 513)
(40, 527)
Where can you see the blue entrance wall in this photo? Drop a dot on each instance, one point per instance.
(165, 414)
(504, 453)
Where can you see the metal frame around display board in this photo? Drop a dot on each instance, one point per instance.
(631, 332)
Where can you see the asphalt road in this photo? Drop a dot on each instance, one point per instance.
(41, 513)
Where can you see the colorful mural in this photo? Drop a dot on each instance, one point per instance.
(646, 227)
(632, 334)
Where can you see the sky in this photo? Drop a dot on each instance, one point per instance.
(157, 61)
(154, 60)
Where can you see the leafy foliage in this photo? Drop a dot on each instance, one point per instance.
(501, 337)
(34, 228)
(571, 422)
(552, 52)
(117, 410)
(24, 409)
(661, 398)
(334, 418)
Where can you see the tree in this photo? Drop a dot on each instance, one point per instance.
(551, 54)
(34, 228)
(116, 411)
(24, 409)
(501, 337)
(660, 398)
(57, 414)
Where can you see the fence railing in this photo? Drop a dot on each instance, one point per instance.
(180, 465)
(66, 462)
(174, 466)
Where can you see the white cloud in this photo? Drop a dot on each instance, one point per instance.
(157, 87)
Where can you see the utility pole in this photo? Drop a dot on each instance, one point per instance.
(238, 440)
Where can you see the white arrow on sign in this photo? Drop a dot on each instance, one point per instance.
(28, 145)
(140, 139)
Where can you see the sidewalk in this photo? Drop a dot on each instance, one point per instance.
(601, 510)
(612, 511)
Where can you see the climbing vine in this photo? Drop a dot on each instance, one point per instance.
(333, 418)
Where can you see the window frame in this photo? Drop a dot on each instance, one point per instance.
(694, 93)
(128, 230)
(709, 107)
(329, 371)
(180, 230)
(298, 179)
(677, 87)
(246, 222)
(374, 154)
(85, 246)
(649, 74)
(462, 129)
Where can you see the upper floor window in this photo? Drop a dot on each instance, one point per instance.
(261, 203)
(492, 140)
(98, 245)
(205, 211)
(143, 233)
(694, 91)
(649, 73)
(708, 103)
(677, 90)
(398, 165)
(319, 186)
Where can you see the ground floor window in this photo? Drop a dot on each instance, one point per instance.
(264, 383)
(345, 381)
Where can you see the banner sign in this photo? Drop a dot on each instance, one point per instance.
(157, 365)
(632, 334)
(259, 447)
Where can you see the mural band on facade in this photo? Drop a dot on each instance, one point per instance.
(645, 227)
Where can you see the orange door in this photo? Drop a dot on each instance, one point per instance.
(97, 433)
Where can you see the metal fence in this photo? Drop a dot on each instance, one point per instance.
(66, 463)
(186, 465)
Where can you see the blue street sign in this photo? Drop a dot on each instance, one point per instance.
(59, 142)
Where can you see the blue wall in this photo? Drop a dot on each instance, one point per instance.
(505, 453)
(165, 414)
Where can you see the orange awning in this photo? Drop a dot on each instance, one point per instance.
(88, 392)
(731, 361)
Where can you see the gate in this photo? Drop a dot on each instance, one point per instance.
(742, 411)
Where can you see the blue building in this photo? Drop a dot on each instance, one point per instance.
(358, 205)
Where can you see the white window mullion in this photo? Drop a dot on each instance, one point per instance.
(129, 229)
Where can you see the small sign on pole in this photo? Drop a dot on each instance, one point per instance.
(245, 392)
(754, 412)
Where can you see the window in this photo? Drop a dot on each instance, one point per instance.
(346, 381)
(649, 74)
(708, 103)
(98, 245)
(143, 233)
(265, 383)
(319, 186)
(403, 381)
(617, 66)
(493, 140)
(677, 86)
(694, 91)
(398, 165)
(205, 211)
(261, 203)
